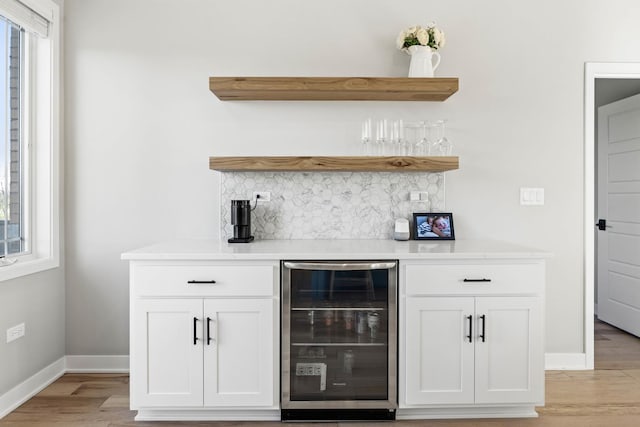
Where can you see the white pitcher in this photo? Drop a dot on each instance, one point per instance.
(422, 58)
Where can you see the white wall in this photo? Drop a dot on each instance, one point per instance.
(38, 301)
(141, 123)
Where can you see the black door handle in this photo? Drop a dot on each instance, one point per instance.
(195, 330)
(208, 330)
(484, 324)
(602, 224)
(470, 336)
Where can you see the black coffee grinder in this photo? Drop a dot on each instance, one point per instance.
(241, 221)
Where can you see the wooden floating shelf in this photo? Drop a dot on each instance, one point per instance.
(333, 88)
(334, 164)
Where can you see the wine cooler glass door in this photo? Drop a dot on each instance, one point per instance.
(339, 334)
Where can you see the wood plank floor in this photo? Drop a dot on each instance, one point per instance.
(608, 396)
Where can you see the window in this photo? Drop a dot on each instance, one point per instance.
(29, 136)
(12, 223)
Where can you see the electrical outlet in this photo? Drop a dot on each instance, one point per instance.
(262, 196)
(15, 332)
(418, 196)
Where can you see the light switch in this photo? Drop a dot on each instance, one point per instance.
(532, 196)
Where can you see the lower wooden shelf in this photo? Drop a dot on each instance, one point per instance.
(335, 164)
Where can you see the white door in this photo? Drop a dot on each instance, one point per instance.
(166, 365)
(239, 360)
(509, 350)
(439, 351)
(618, 245)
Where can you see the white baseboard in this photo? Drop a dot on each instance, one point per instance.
(67, 364)
(97, 364)
(565, 362)
(30, 387)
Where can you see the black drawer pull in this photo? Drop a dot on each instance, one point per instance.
(191, 282)
(476, 280)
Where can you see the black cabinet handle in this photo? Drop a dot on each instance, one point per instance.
(470, 336)
(484, 324)
(191, 282)
(476, 280)
(195, 330)
(208, 330)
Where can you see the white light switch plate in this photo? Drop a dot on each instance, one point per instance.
(532, 196)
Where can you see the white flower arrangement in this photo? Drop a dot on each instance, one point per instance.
(429, 36)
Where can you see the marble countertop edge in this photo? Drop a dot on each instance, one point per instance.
(269, 250)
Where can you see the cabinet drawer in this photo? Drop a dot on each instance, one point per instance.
(203, 280)
(474, 279)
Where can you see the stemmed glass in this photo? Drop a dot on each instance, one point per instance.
(421, 147)
(440, 144)
(382, 137)
(397, 138)
(367, 141)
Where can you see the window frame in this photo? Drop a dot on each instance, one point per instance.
(43, 130)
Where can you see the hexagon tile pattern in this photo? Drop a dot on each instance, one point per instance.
(329, 205)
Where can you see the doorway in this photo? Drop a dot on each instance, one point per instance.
(604, 83)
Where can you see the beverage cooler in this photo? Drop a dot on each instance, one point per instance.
(339, 340)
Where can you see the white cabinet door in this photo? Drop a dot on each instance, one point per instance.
(509, 362)
(439, 351)
(239, 352)
(167, 353)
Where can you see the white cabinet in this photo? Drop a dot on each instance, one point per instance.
(510, 358)
(239, 352)
(204, 341)
(166, 365)
(473, 339)
(439, 357)
(452, 362)
(205, 328)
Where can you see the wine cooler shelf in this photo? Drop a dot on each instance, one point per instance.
(345, 373)
(360, 327)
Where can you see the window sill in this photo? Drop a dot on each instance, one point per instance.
(24, 267)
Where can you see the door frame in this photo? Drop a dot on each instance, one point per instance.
(593, 71)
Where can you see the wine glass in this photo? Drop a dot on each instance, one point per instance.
(367, 142)
(382, 136)
(442, 144)
(421, 139)
(397, 138)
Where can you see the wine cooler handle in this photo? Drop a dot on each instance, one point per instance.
(470, 336)
(195, 331)
(341, 266)
(484, 325)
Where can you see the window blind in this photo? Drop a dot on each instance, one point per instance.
(23, 15)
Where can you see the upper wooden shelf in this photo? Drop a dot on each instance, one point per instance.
(334, 164)
(333, 88)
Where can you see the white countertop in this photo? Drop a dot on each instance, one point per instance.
(331, 249)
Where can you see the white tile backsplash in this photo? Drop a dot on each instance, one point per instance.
(329, 205)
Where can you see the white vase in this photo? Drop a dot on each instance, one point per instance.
(422, 61)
